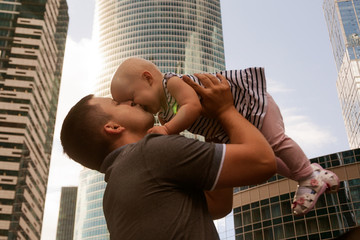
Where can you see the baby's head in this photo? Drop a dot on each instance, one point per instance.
(138, 80)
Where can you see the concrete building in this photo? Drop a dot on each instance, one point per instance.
(342, 18)
(66, 219)
(264, 211)
(32, 42)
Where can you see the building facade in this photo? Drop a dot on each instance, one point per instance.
(66, 219)
(342, 18)
(264, 211)
(90, 222)
(32, 42)
(178, 36)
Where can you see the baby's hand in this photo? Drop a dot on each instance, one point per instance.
(158, 129)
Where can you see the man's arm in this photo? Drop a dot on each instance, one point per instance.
(248, 159)
(219, 202)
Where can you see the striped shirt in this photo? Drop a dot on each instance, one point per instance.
(248, 88)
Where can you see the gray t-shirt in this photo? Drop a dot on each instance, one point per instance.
(155, 188)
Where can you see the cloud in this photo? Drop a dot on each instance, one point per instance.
(311, 137)
(274, 87)
(63, 172)
(50, 216)
(314, 139)
(78, 74)
(77, 81)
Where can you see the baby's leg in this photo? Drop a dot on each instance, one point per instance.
(284, 147)
(312, 179)
(282, 169)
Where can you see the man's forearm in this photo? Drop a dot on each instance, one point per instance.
(239, 129)
(249, 158)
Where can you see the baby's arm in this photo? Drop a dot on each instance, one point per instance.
(189, 107)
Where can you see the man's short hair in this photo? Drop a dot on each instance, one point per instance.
(82, 135)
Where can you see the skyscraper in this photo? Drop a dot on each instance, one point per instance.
(178, 36)
(90, 222)
(32, 42)
(342, 18)
(264, 211)
(66, 219)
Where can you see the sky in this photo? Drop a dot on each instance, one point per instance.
(288, 38)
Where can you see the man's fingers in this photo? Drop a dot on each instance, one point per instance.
(208, 80)
(222, 79)
(212, 78)
(194, 85)
(205, 79)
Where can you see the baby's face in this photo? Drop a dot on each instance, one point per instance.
(139, 92)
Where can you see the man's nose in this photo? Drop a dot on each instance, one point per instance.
(130, 103)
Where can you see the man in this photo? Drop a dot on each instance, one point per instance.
(166, 187)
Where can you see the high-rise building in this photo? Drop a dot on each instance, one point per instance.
(342, 18)
(66, 219)
(90, 222)
(182, 36)
(178, 36)
(32, 42)
(264, 211)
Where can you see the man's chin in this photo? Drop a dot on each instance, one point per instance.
(151, 122)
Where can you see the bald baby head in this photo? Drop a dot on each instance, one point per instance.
(136, 78)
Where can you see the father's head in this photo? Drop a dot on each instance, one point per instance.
(96, 126)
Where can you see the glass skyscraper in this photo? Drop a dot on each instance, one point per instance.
(32, 43)
(264, 211)
(342, 18)
(66, 219)
(182, 36)
(89, 219)
(178, 36)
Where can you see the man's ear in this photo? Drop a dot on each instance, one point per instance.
(113, 128)
(148, 77)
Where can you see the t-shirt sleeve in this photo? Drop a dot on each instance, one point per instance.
(183, 162)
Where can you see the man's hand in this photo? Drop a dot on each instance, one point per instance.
(158, 129)
(249, 152)
(215, 96)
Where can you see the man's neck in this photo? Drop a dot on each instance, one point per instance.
(127, 138)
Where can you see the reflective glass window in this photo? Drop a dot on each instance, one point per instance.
(278, 232)
(300, 228)
(289, 230)
(275, 210)
(246, 218)
(324, 223)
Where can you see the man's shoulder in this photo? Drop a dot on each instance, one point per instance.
(158, 141)
(159, 138)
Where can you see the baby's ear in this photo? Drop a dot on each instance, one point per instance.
(147, 76)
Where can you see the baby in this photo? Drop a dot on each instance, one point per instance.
(179, 108)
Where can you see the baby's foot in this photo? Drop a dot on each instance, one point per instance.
(311, 188)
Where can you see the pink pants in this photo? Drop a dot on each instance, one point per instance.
(291, 160)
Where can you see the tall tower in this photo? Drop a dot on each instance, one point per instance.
(183, 36)
(32, 42)
(178, 36)
(342, 19)
(90, 222)
(66, 219)
(263, 211)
